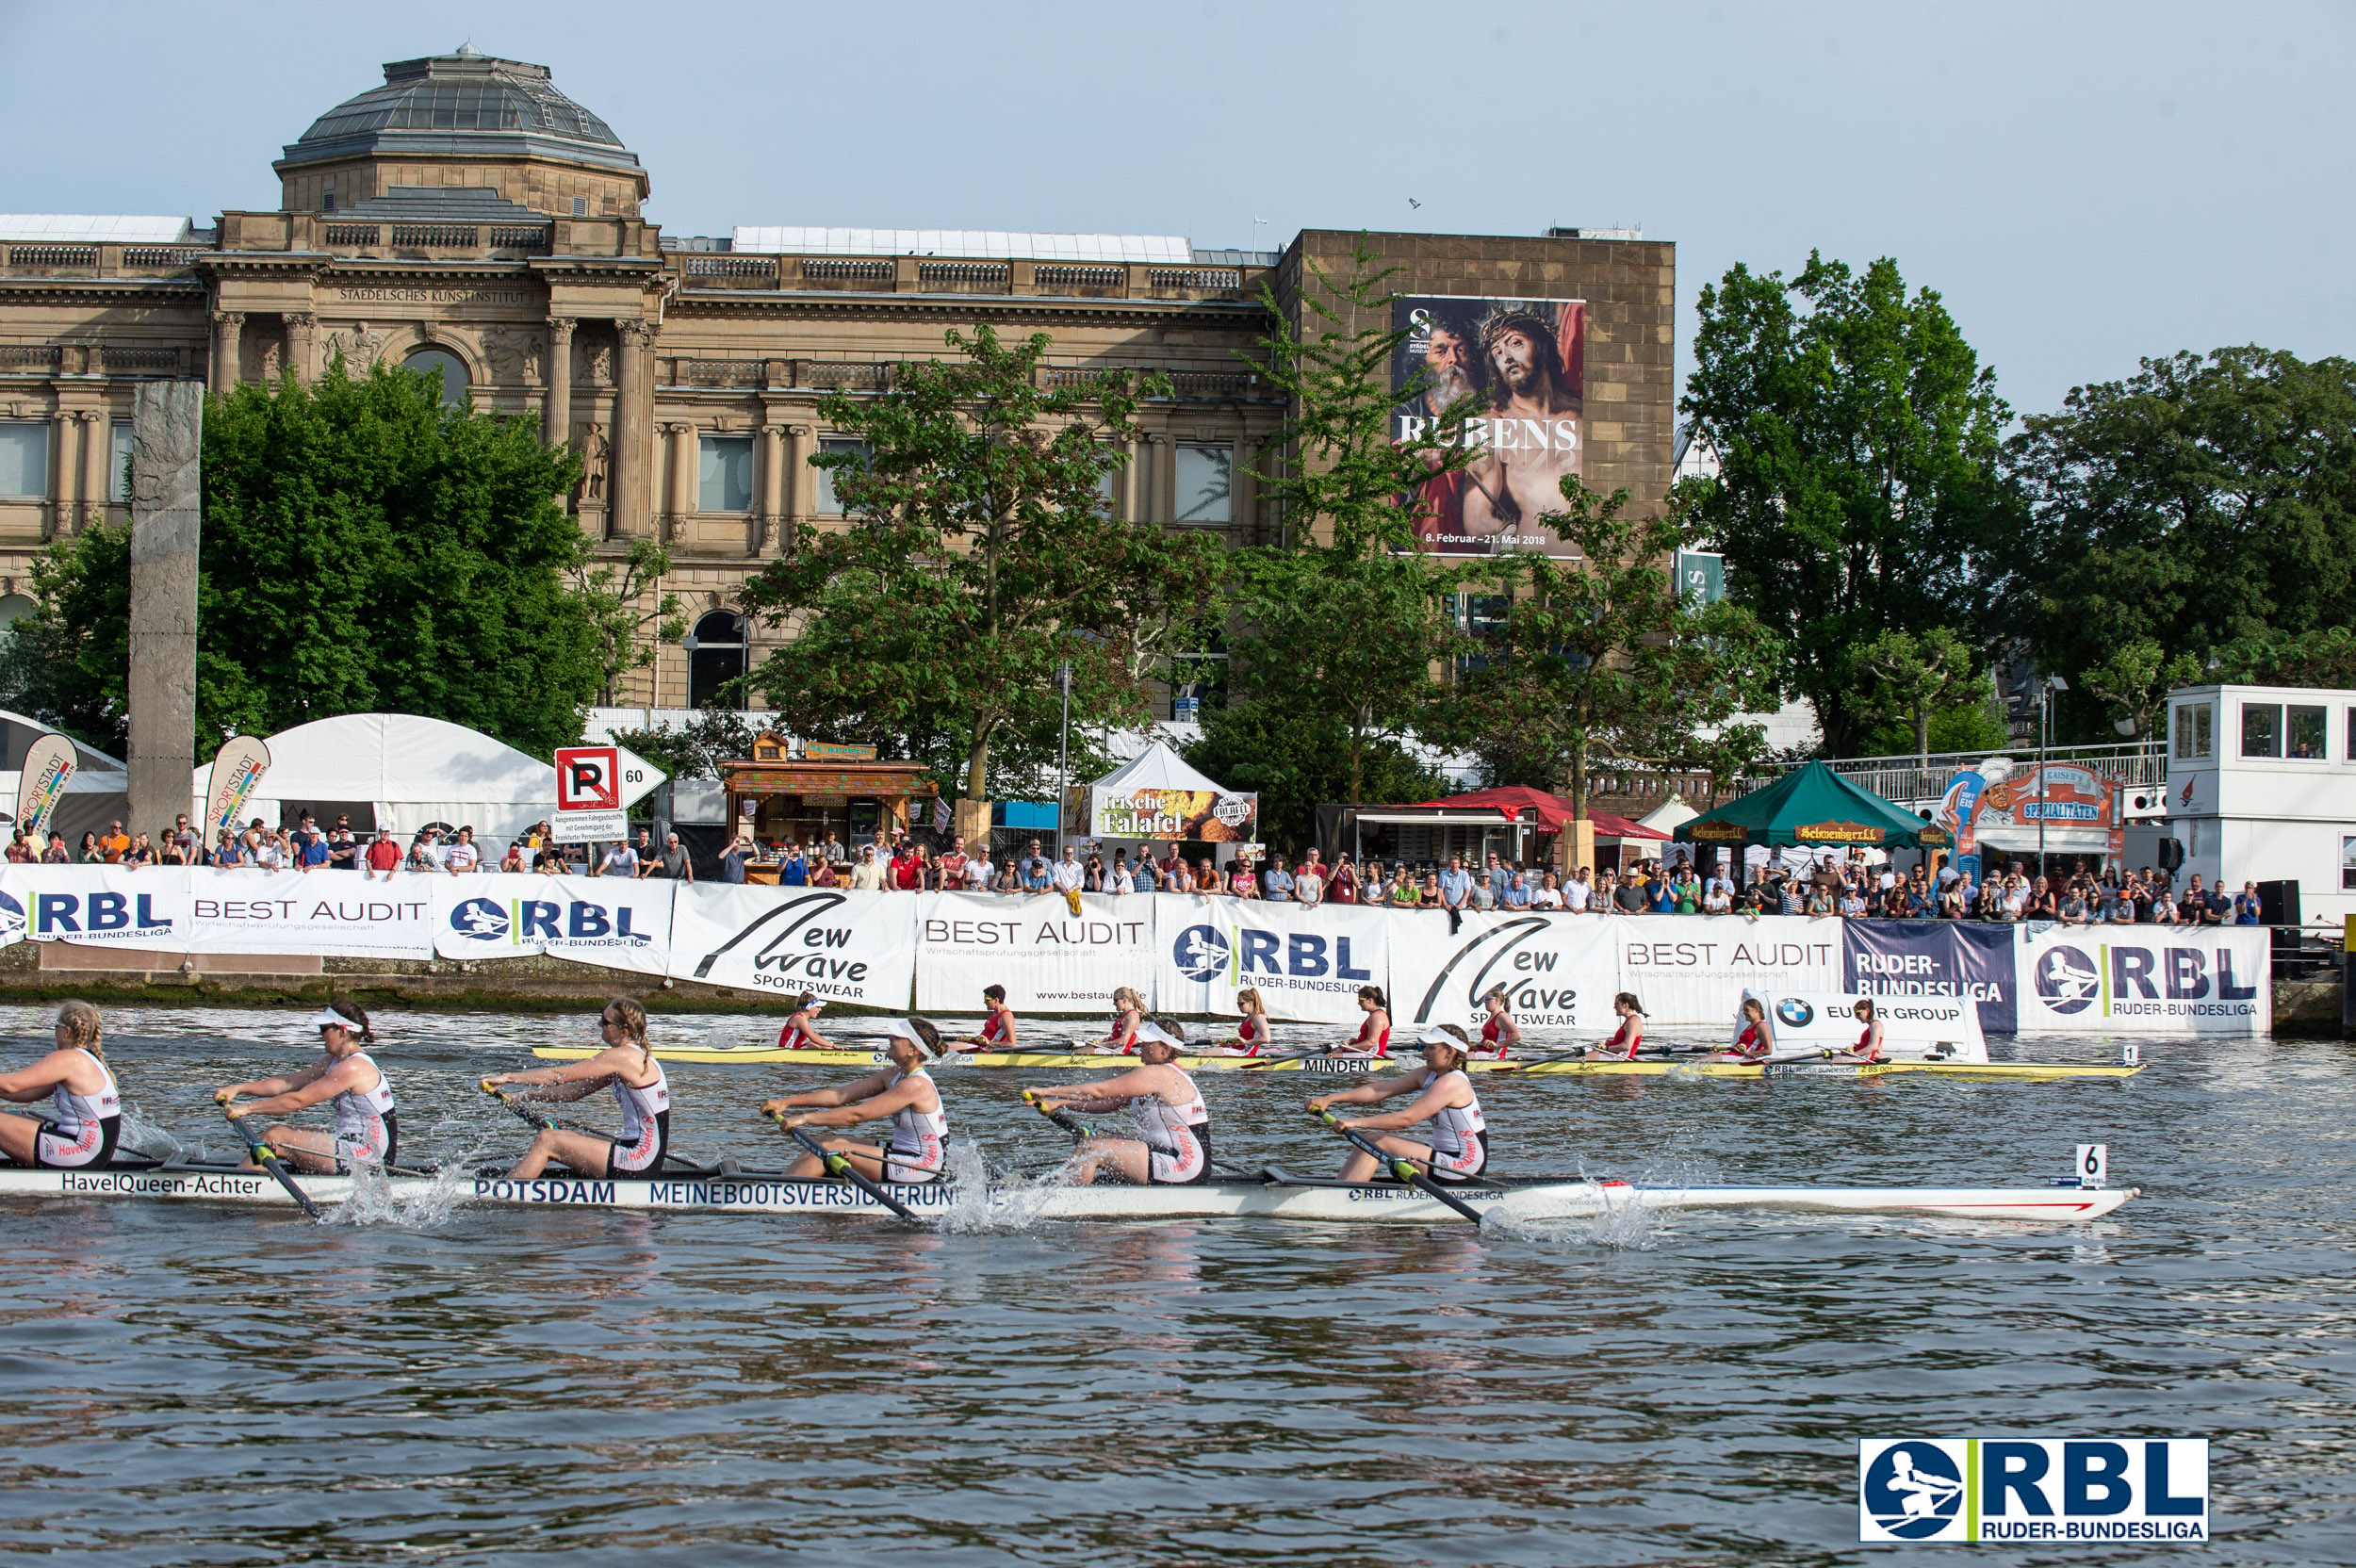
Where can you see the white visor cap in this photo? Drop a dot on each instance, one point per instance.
(900, 1028)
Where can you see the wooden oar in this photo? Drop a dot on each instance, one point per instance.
(1079, 1130)
(266, 1157)
(1402, 1167)
(838, 1166)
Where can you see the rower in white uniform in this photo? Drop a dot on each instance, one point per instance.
(367, 1132)
(1459, 1149)
(904, 1093)
(1173, 1145)
(626, 1065)
(82, 1094)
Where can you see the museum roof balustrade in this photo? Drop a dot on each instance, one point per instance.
(462, 105)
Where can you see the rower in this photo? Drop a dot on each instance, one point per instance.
(1174, 1148)
(1459, 1149)
(1252, 1029)
(1869, 1043)
(1754, 1036)
(1374, 1036)
(82, 1092)
(628, 1065)
(1499, 1034)
(997, 1031)
(1128, 1014)
(797, 1035)
(367, 1129)
(1629, 1039)
(918, 1149)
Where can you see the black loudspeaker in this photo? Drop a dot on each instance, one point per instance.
(2172, 856)
(2278, 902)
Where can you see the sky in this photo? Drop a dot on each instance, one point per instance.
(2083, 184)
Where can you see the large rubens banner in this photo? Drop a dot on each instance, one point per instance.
(606, 921)
(830, 942)
(1050, 959)
(1307, 964)
(1559, 972)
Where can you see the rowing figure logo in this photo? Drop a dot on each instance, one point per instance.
(11, 918)
(1201, 954)
(1794, 1013)
(2067, 980)
(481, 919)
(1913, 1490)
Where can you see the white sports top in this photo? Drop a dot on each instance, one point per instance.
(918, 1134)
(1453, 1126)
(1165, 1124)
(73, 1110)
(640, 1106)
(360, 1112)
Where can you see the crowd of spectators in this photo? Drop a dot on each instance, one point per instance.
(306, 846)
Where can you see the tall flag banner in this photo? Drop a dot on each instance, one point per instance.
(40, 783)
(237, 767)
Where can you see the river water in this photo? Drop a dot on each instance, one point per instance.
(458, 1385)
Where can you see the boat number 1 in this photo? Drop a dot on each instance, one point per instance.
(2094, 1164)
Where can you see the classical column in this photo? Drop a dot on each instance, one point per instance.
(679, 500)
(771, 451)
(1141, 487)
(556, 408)
(61, 473)
(626, 498)
(1166, 478)
(301, 331)
(799, 481)
(227, 326)
(97, 443)
(1125, 483)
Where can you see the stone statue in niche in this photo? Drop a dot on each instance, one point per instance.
(594, 450)
(359, 347)
(514, 355)
(271, 359)
(597, 366)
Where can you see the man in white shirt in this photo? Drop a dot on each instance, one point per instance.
(1069, 872)
(1309, 881)
(621, 860)
(1579, 894)
(462, 856)
(868, 876)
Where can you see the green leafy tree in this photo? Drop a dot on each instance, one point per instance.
(1600, 658)
(364, 550)
(1860, 487)
(2135, 682)
(629, 611)
(1297, 759)
(978, 556)
(1915, 677)
(2205, 506)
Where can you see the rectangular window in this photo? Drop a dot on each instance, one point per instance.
(1206, 480)
(580, 206)
(724, 475)
(24, 460)
(119, 461)
(2192, 730)
(2306, 734)
(2348, 865)
(831, 504)
(1482, 617)
(2261, 730)
(2350, 754)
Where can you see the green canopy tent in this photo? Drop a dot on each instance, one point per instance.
(1814, 806)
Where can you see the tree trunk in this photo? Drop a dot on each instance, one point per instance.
(1922, 734)
(978, 763)
(1578, 779)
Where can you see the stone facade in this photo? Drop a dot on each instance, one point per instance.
(477, 214)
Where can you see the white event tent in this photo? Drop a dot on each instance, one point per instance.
(400, 771)
(99, 792)
(1155, 768)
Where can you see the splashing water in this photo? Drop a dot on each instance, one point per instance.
(146, 1138)
(417, 1203)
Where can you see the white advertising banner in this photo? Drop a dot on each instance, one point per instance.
(1559, 972)
(831, 942)
(2144, 980)
(1049, 959)
(608, 921)
(1307, 964)
(99, 906)
(338, 913)
(1690, 970)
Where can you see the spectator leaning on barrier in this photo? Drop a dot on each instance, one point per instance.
(1276, 883)
(460, 855)
(621, 860)
(868, 874)
(1484, 893)
(1455, 884)
(673, 863)
(512, 863)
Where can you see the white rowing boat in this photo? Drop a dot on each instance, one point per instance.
(1274, 1196)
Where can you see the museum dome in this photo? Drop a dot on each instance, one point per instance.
(454, 110)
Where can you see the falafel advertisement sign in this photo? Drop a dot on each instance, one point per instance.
(1515, 371)
(610, 921)
(829, 942)
(1205, 816)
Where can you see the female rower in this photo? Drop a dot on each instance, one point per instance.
(1499, 1034)
(81, 1089)
(1459, 1149)
(797, 1035)
(1174, 1148)
(1629, 1039)
(1754, 1036)
(1869, 1044)
(1252, 1029)
(367, 1129)
(1128, 1012)
(626, 1064)
(918, 1149)
(997, 1032)
(1374, 1036)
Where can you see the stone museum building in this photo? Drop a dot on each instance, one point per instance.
(466, 216)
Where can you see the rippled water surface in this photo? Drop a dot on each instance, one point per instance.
(462, 1385)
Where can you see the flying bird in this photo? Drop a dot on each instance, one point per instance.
(1413, 203)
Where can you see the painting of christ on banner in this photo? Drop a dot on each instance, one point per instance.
(1511, 372)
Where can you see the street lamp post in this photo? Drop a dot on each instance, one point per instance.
(1063, 754)
(2045, 738)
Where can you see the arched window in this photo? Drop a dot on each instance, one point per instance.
(716, 656)
(14, 608)
(451, 368)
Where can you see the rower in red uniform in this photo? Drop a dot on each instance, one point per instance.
(997, 1033)
(1499, 1034)
(1252, 1029)
(81, 1088)
(1869, 1044)
(1754, 1037)
(1128, 1013)
(797, 1035)
(1629, 1039)
(1374, 1036)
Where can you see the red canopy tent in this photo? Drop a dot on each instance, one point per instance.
(1510, 801)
